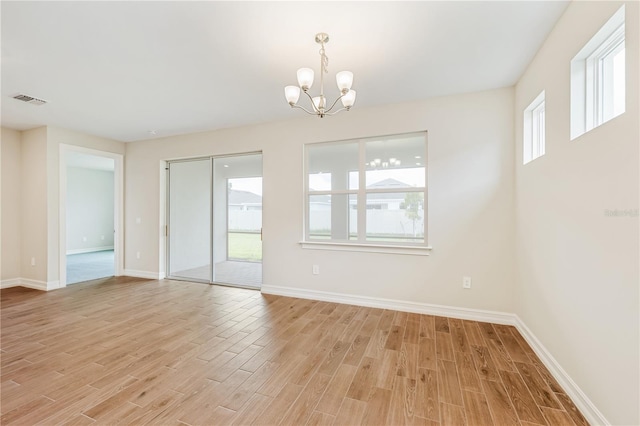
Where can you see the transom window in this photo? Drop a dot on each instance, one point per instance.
(534, 129)
(368, 191)
(598, 77)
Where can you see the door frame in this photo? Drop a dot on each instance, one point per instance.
(167, 209)
(118, 208)
(167, 206)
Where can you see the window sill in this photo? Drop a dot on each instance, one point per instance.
(368, 248)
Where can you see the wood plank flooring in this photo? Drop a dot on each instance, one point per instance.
(131, 351)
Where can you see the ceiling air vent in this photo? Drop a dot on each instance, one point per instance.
(29, 99)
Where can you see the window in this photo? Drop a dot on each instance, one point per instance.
(598, 77)
(533, 137)
(367, 192)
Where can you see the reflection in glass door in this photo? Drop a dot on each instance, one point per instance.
(215, 220)
(189, 219)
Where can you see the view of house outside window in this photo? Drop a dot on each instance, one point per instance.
(368, 191)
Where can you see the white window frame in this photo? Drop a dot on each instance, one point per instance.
(591, 85)
(534, 130)
(602, 79)
(361, 243)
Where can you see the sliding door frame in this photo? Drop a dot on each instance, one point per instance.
(168, 219)
(211, 159)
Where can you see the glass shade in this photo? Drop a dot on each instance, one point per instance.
(305, 78)
(318, 101)
(344, 80)
(292, 93)
(349, 99)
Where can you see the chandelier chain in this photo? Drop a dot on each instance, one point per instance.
(324, 60)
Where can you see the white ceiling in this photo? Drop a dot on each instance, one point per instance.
(122, 69)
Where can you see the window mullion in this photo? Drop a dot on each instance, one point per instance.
(307, 197)
(362, 200)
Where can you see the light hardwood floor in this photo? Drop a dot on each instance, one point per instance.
(130, 351)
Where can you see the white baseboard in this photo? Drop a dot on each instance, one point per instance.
(397, 305)
(144, 274)
(584, 404)
(28, 283)
(54, 285)
(34, 284)
(13, 282)
(89, 250)
(579, 398)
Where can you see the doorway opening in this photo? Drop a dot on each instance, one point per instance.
(90, 214)
(90, 217)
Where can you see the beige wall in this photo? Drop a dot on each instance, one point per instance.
(11, 205)
(37, 173)
(577, 270)
(69, 137)
(470, 175)
(34, 204)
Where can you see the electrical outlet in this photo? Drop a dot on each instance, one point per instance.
(102, 237)
(315, 270)
(138, 255)
(84, 239)
(466, 282)
(33, 261)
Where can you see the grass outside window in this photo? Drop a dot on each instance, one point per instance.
(244, 246)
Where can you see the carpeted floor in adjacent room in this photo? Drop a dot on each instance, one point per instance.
(90, 266)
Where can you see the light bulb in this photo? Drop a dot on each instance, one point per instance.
(292, 93)
(305, 78)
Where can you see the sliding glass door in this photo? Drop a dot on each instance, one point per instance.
(228, 195)
(189, 219)
(237, 219)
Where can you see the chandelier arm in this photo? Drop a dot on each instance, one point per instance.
(334, 103)
(317, 111)
(337, 111)
(304, 109)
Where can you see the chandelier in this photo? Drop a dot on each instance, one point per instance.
(319, 103)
